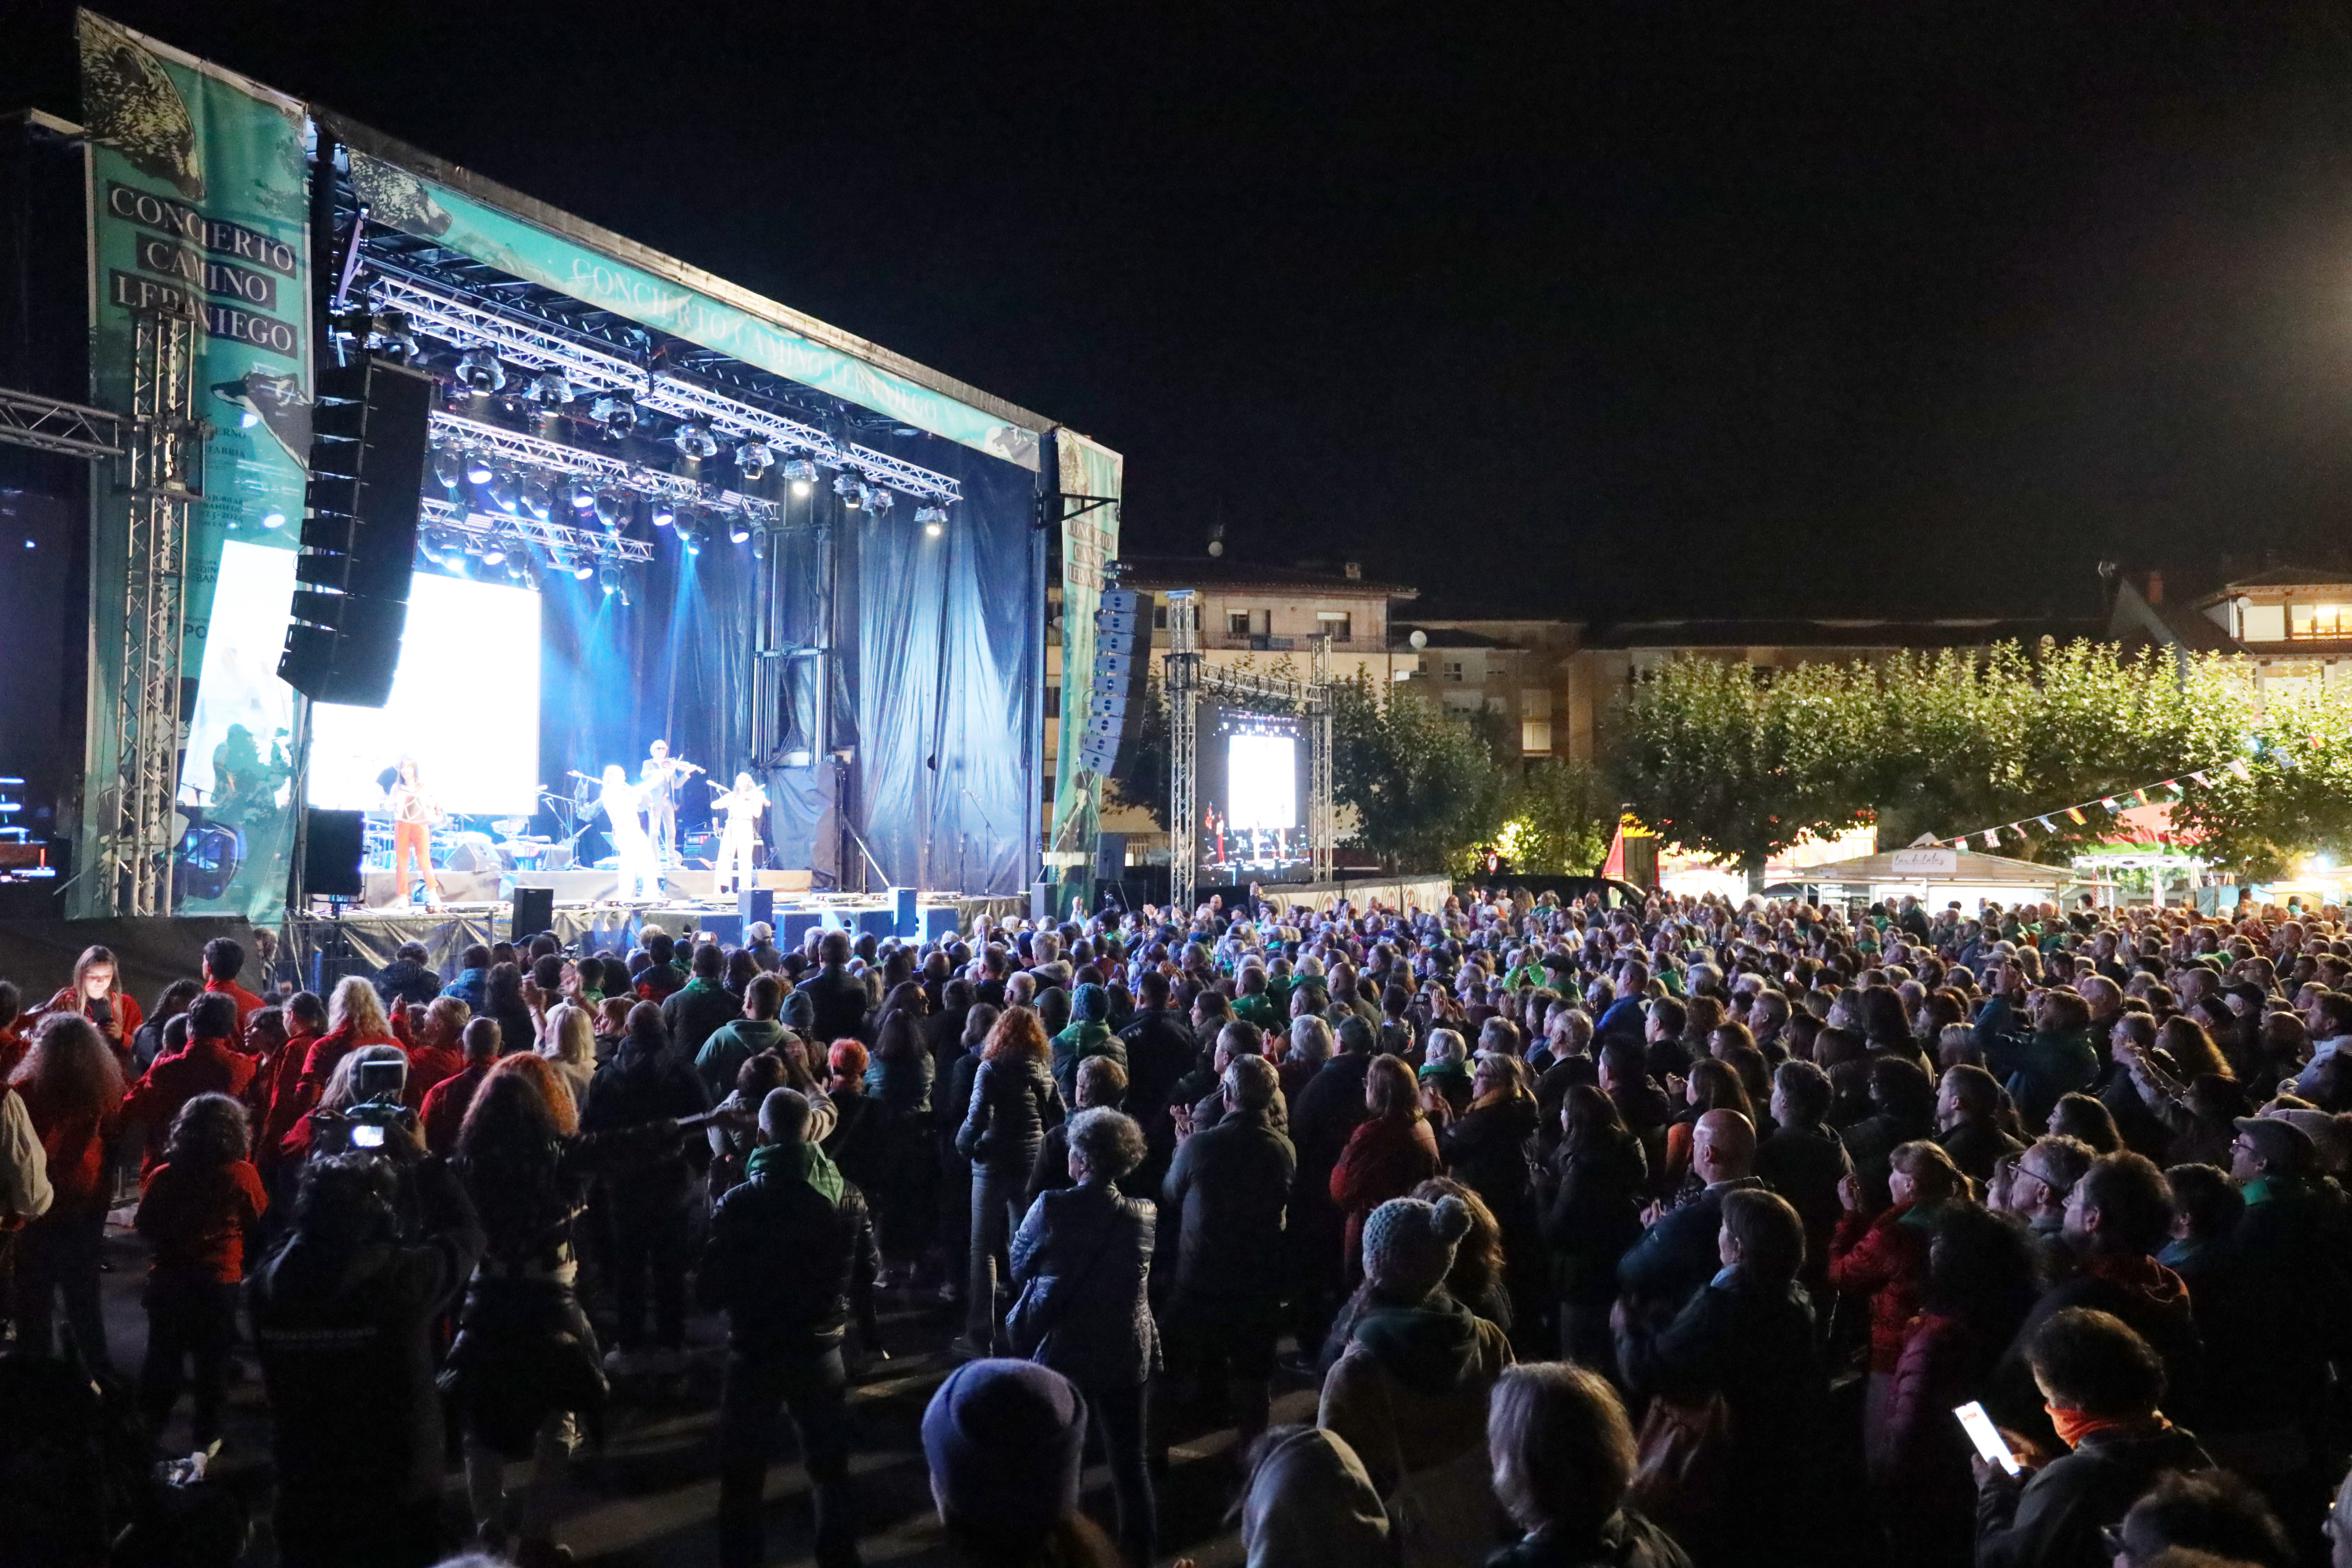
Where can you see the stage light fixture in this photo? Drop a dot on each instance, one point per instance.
(617, 412)
(738, 528)
(665, 512)
(584, 570)
(480, 370)
(506, 490)
(752, 459)
(609, 579)
(802, 475)
(537, 501)
(518, 569)
(493, 551)
(553, 387)
(694, 532)
(391, 335)
(448, 468)
(579, 494)
(879, 499)
(933, 519)
(477, 468)
(610, 507)
(851, 490)
(759, 546)
(692, 440)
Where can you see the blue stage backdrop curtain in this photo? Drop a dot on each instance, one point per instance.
(934, 659)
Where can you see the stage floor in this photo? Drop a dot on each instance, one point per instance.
(360, 940)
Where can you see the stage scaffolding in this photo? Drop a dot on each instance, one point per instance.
(1189, 678)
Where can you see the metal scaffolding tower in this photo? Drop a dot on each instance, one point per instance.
(163, 474)
(1183, 681)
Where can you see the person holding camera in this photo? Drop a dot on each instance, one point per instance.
(343, 1312)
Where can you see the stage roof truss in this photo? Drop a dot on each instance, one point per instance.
(438, 311)
(594, 544)
(563, 458)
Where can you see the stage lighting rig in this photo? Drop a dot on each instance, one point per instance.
(493, 551)
(583, 570)
(477, 469)
(480, 370)
(506, 490)
(801, 474)
(448, 466)
(933, 519)
(553, 388)
(612, 508)
(578, 494)
(694, 441)
(752, 459)
(852, 491)
(609, 579)
(738, 529)
(537, 501)
(694, 531)
(879, 500)
(616, 412)
(665, 512)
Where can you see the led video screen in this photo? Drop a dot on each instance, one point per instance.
(1251, 783)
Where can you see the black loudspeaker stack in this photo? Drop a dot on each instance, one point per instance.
(534, 912)
(1122, 659)
(359, 529)
(333, 844)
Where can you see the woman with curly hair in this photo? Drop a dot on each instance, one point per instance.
(1014, 1100)
(72, 1085)
(196, 1209)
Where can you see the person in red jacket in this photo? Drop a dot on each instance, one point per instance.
(438, 1052)
(224, 961)
(445, 1108)
(1885, 1259)
(97, 994)
(72, 1086)
(1387, 1156)
(355, 1017)
(210, 1063)
(278, 1087)
(197, 1206)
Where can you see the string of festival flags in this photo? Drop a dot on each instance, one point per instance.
(2079, 814)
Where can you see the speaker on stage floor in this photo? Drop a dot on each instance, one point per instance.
(721, 926)
(798, 923)
(907, 919)
(534, 912)
(939, 922)
(877, 922)
(1041, 900)
(756, 903)
(333, 843)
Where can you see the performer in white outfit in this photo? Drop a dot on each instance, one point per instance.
(621, 802)
(743, 805)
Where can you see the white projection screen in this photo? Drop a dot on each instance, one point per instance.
(465, 640)
(1261, 781)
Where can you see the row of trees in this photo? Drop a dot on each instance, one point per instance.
(1739, 762)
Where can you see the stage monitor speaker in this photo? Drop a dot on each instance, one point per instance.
(756, 903)
(368, 433)
(907, 921)
(333, 844)
(798, 923)
(722, 926)
(534, 912)
(939, 922)
(877, 922)
(1041, 899)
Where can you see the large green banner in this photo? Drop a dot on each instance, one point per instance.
(1091, 476)
(430, 209)
(198, 206)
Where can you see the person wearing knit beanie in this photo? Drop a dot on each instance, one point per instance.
(1005, 1441)
(1409, 1246)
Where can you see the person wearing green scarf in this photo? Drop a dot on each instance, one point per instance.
(791, 1249)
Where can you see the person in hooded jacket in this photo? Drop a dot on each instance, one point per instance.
(1563, 1455)
(648, 1198)
(409, 979)
(1309, 1503)
(2102, 1385)
(1088, 1034)
(1410, 1393)
(728, 1046)
(703, 1006)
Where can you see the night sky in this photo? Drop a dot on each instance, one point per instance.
(1732, 309)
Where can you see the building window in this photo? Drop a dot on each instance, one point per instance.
(1535, 736)
(1451, 669)
(1237, 623)
(1336, 624)
(1053, 699)
(2328, 622)
(1159, 617)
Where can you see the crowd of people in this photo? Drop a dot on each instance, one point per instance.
(1661, 1234)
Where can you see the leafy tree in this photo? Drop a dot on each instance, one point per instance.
(2295, 798)
(1426, 785)
(1561, 817)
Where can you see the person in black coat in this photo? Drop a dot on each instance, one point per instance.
(1013, 1101)
(648, 1199)
(1593, 1217)
(345, 1308)
(1328, 1111)
(2102, 1383)
(409, 979)
(1968, 1104)
(1563, 1456)
(789, 1247)
(1804, 1159)
(1160, 1051)
(839, 998)
(1229, 1192)
(1491, 1150)
(1677, 1255)
(1746, 1337)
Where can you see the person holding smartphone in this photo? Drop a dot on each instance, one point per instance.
(97, 994)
